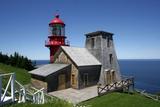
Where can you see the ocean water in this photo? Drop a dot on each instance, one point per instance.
(146, 73)
(41, 62)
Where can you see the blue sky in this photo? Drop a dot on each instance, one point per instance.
(135, 24)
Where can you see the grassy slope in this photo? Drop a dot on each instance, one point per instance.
(59, 103)
(109, 100)
(21, 74)
(121, 100)
(23, 77)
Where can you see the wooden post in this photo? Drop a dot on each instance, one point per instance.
(0, 88)
(128, 89)
(98, 90)
(133, 83)
(24, 95)
(13, 87)
(42, 97)
(98, 86)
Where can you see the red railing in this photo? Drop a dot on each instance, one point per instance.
(49, 43)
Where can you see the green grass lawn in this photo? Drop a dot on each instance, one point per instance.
(121, 100)
(58, 103)
(22, 75)
(110, 100)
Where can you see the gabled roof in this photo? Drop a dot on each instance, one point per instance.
(80, 56)
(48, 69)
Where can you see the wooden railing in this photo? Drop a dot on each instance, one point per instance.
(35, 96)
(20, 91)
(14, 91)
(9, 87)
(38, 96)
(124, 84)
(148, 95)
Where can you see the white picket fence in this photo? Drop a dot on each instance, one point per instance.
(16, 92)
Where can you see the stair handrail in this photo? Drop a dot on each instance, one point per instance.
(36, 97)
(11, 82)
(22, 92)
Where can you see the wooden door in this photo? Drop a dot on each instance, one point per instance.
(108, 75)
(61, 82)
(85, 79)
(113, 77)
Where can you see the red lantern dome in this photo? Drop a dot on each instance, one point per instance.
(56, 36)
(56, 20)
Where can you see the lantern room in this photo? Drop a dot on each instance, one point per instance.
(56, 36)
(57, 27)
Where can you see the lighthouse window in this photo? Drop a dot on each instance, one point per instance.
(54, 30)
(108, 42)
(50, 30)
(59, 30)
(73, 79)
(110, 58)
(92, 42)
(62, 31)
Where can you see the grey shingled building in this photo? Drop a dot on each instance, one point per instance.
(81, 67)
(85, 68)
(73, 67)
(100, 44)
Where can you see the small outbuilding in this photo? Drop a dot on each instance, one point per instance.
(73, 67)
(50, 77)
(85, 68)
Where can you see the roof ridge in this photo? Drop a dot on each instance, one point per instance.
(80, 56)
(73, 47)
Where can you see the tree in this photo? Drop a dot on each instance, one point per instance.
(17, 60)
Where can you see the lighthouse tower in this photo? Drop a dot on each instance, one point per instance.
(56, 36)
(100, 44)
